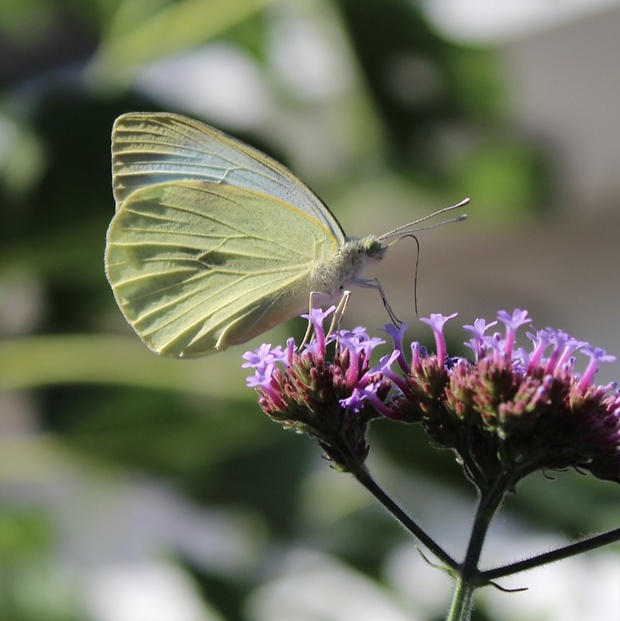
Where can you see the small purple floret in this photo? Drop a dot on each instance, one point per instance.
(436, 321)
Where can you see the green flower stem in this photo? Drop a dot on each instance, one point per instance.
(585, 545)
(369, 483)
(462, 600)
(469, 576)
(363, 476)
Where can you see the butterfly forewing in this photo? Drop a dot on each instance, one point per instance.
(149, 149)
(196, 266)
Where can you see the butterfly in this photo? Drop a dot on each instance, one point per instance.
(214, 242)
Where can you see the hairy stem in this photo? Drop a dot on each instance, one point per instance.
(585, 545)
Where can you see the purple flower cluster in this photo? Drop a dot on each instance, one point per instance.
(328, 399)
(506, 412)
(510, 411)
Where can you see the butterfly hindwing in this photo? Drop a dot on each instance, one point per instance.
(197, 266)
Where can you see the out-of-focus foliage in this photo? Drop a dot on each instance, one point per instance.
(403, 105)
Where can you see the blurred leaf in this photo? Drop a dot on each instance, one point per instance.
(52, 256)
(40, 592)
(140, 35)
(225, 594)
(40, 361)
(25, 21)
(416, 79)
(441, 105)
(24, 534)
(161, 432)
(22, 158)
(508, 177)
(31, 588)
(221, 451)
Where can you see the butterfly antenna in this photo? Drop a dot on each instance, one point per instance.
(412, 227)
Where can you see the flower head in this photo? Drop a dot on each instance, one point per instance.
(508, 411)
(330, 399)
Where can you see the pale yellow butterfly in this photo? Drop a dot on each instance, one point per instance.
(214, 242)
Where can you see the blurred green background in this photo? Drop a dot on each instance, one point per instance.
(134, 488)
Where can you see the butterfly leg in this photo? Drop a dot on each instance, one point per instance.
(373, 283)
(339, 312)
(336, 318)
(306, 339)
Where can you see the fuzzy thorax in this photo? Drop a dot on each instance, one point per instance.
(347, 266)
